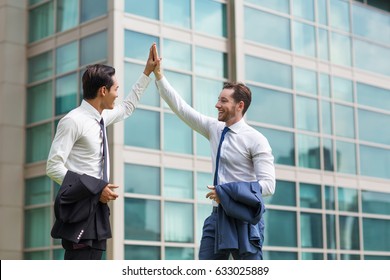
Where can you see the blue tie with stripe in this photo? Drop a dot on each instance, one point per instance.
(224, 131)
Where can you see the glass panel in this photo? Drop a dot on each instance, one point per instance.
(327, 148)
(202, 146)
(210, 17)
(376, 202)
(286, 194)
(312, 256)
(304, 9)
(307, 113)
(91, 9)
(277, 5)
(282, 144)
(304, 39)
(325, 85)
(370, 57)
(346, 157)
(342, 89)
(380, 4)
(347, 199)
(142, 219)
(268, 72)
(177, 135)
(203, 180)
(339, 14)
(331, 231)
(275, 31)
(179, 222)
(311, 230)
(371, 127)
(305, 80)
(37, 191)
(177, 55)
(310, 195)
(142, 129)
(136, 252)
(330, 198)
(349, 257)
(142, 179)
(323, 44)
(276, 107)
(210, 63)
(173, 253)
(344, 121)
(376, 234)
(275, 255)
(40, 101)
(58, 254)
(206, 96)
(178, 183)
(373, 258)
(67, 14)
(341, 49)
(38, 255)
(38, 142)
(322, 12)
(89, 52)
(66, 93)
(67, 57)
(326, 111)
(373, 96)
(349, 233)
(40, 67)
(37, 227)
(182, 84)
(309, 151)
(374, 162)
(275, 231)
(41, 22)
(149, 8)
(178, 13)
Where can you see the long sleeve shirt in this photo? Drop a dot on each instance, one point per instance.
(246, 155)
(77, 145)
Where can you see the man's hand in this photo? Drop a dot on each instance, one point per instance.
(151, 62)
(213, 194)
(157, 69)
(108, 193)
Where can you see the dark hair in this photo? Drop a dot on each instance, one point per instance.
(240, 93)
(95, 77)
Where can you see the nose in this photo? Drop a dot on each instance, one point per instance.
(217, 105)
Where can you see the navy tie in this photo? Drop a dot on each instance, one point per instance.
(224, 131)
(104, 151)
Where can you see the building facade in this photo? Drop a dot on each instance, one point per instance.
(319, 71)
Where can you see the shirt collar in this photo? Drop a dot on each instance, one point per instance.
(236, 127)
(90, 110)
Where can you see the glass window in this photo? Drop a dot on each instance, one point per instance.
(202, 145)
(275, 231)
(182, 84)
(37, 227)
(323, 44)
(203, 180)
(33, 2)
(324, 85)
(347, 199)
(306, 113)
(178, 13)
(368, 56)
(327, 148)
(322, 12)
(374, 162)
(339, 14)
(40, 67)
(305, 80)
(142, 129)
(276, 255)
(308, 151)
(66, 93)
(142, 179)
(38, 255)
(312, 256)
(142, 219)
(210, 17)
(349, 233)
(331, 231)
(304, 39)
(282, 144)
(206, 96)
(177, 135)
(174, 253)
(67, 57)
(268, 72)
(326, 110)
(39, 100)
(38, 142)
(137, 252)
(373, 96)
(371, 127)
(178, 183)
(342, 89)
(341, 49)
(311, 230)
(179, 222)
(149, 8)
(91, 9)
(304, 9)
(310, 195)
(67, 14)
(349, 257)
(89, 52)
(376, 202)
(203, 211)
(345, 121)
(271, 106)
(210, 63)
(37, 191)
(177, 55)
(41, 22)
(285, 195)
(277, 5)
(346, 157)
(330, 198)
(375, 234)
(374, 258)
(274, 31)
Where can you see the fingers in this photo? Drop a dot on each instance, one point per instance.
(211, 187)
(155, 53)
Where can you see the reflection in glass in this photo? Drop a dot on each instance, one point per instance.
(306, 113)
(347, 199)
(286, 194)
(312, 256)
(182, 84)
(91, 9)
(203, 211)
(322, 12)
(368, 56)
(39, 100)
(304, 39)
(149, 8)
(346, 157)
(344, 121)
(279, 255)
(374, 162)
(324, 85)
(326, 111)
(331, 231)
(137, 43)
(37, 227)
(349, 233)
(177, 12)
(174, 253)
(340, 49)
(41, 22)
(339, 15)
(206, 96)
(275, 231)
(38, 142)
(330, 199)
(305, 80)
(142, 179)
(342, 89)
(210, 17)
(178, 222)
(177, 55)
(177, 135)
(311, 230)
(40, 67)
(372, 96)
(67, 14)
(323, 44)
(304, 9)
(178, 183)
(66, 93)
(310, 195)
(136, 252)
(375, 234)
(67, 57)
(308, 151)
(210, 63)
(327, 148)
(376, 202)
(37, 191)
(89, 53)
(371, 127)
(277, 5)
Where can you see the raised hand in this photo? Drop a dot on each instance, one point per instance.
(151, 62)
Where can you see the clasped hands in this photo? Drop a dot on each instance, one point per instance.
(153, 63)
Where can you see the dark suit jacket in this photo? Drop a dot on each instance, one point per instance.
(78, 212)
(240, 223)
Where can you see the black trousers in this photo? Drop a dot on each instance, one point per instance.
(86, 253)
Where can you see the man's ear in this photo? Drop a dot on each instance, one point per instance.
(102, 91)
(241, 105)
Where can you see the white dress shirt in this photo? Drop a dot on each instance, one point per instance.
(246, 155)
(77, 145)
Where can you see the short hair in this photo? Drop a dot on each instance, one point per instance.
(95, 77)
(240, 93)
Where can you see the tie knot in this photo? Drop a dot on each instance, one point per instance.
(102, 122)
(226, 129)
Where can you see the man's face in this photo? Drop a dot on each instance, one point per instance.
(111, 95)
(228, 110)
